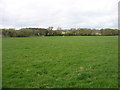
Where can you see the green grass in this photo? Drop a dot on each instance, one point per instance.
(60, 62)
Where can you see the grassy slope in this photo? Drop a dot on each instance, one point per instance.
(59, 62)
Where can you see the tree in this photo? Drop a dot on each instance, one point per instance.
(85, 32)
(50, 28)
(109, 32)
(24, 32)
(59, 28)
(50, 32)
(9, 32)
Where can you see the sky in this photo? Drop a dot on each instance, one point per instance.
(59, 13)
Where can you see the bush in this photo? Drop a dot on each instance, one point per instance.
(24, 33)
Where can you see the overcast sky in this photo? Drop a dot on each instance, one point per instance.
(59, 13)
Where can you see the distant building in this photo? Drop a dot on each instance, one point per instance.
(63, 32)
(96, 32)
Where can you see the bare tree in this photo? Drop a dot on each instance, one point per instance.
(50, 28)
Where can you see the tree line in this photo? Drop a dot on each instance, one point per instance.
(27, 32)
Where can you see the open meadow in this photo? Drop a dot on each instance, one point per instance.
(60, 62)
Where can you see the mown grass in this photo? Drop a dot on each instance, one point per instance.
(60, 62)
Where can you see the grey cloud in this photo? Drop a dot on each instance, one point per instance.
(63, 13)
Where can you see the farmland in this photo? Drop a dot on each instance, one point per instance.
(60, 62)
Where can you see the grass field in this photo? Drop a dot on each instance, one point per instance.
(60, 62)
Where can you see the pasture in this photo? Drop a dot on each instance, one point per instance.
(60, 62)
